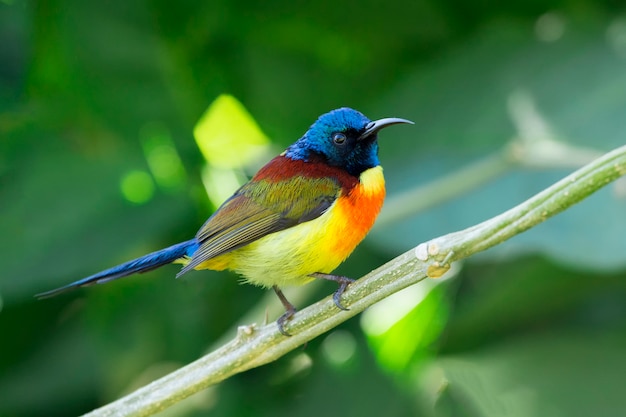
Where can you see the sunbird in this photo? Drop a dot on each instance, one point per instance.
(297, 219)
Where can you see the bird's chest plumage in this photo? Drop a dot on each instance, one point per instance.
(288, 257)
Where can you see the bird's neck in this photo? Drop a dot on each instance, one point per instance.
(298, 151)
(360, 160)
(283, 168)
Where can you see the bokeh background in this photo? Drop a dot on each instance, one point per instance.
(108, 151)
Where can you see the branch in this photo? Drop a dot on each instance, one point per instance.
(533, 146)
(257, 345)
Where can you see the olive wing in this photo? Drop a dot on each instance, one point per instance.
(260, 208)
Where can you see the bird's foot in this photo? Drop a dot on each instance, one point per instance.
(290, 310)
(287, 315)
(343, 284)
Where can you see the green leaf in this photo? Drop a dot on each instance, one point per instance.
(409, 340)
(461, 106)
(560, 374)
(228, 136)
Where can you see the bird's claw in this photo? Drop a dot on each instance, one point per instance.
(287, 315)
(343, 284)
(290, 310)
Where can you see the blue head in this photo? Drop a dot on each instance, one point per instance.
(344, 138)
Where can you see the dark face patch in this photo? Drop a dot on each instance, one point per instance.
(334, 138)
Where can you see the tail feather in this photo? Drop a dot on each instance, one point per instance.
(143, 264)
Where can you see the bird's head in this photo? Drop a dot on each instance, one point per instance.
(344, 138)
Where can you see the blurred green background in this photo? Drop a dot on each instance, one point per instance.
(98, 164)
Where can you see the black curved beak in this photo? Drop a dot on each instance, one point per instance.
(376, 125)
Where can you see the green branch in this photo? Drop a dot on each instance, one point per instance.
(534, 146)
(257, 345)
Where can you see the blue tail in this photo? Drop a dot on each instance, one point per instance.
(145, 263)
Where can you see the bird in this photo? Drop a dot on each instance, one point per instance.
(299, 217)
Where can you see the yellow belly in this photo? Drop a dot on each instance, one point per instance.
(288, 257)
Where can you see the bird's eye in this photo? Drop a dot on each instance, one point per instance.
(339, 138)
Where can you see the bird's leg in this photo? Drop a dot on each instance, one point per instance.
(290, 310)
(343, 284)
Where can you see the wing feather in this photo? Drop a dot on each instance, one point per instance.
(260, 208)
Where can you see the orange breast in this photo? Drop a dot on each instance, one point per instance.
(355, 214)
